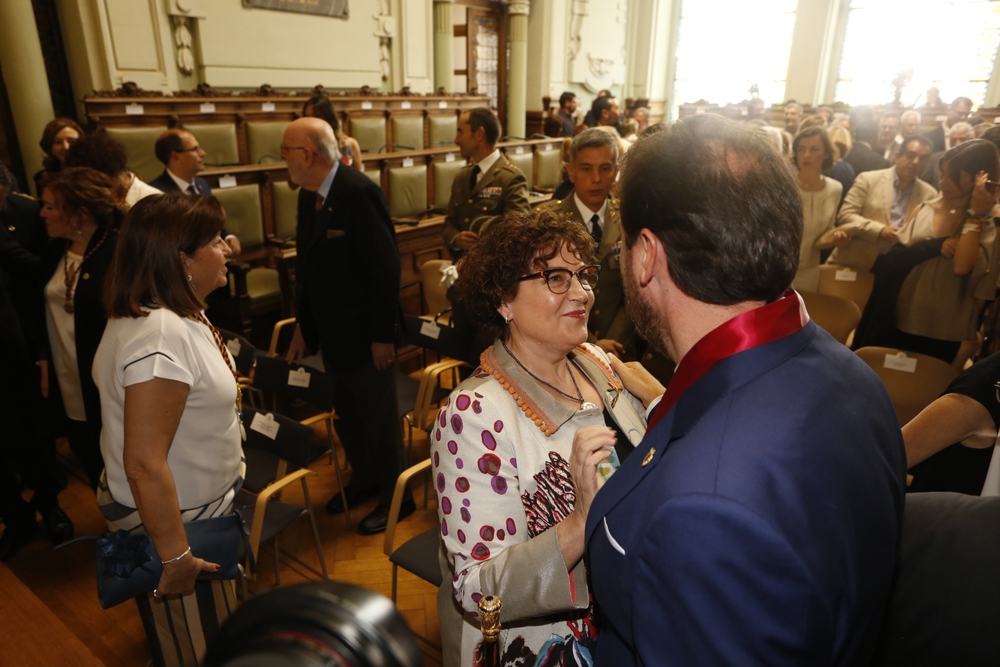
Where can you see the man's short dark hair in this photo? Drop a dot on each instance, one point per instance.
(723, 202)
(923, 141)
(599, 105)
(866, 129)
(100, 152)
(169, 142)
(566, 97)
(481, 117)
(961, 100)
(992, 135)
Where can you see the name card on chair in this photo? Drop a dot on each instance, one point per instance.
(366, 105)
(846, 275)
(518, 150)
(134, 110)
(430, 329)
(234, 347)
(405, 105)
(901, 362)
(227, 181)
(207, 107)
(407, 162)
(265, 425)
(442, 105)
(450, 157)
(267, 106)
(299, 378)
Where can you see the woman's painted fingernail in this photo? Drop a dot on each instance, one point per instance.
(218, 567)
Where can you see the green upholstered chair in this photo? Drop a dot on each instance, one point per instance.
(374, 174)
(407, 191)
(369, 133)
(286, 210)
(441, 130)
(218, 140)
(524, 162)
(408, 131)
(255, 289)
(444, 176)
(140, 143)
(264, 139)
(549, 169)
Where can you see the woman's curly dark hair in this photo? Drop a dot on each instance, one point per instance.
(523, 242)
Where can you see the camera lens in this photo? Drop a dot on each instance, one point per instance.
(321, 624)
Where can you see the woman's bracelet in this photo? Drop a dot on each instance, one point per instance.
(174, 560)
(971, 227)
(970, 213)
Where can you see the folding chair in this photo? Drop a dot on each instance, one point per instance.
(278, 452)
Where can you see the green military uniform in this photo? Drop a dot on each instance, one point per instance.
(608, 317)
(500, 190)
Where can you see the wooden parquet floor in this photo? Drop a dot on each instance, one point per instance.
(49, 613)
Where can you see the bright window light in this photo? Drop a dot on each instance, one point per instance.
(948, 44)
(726, 46)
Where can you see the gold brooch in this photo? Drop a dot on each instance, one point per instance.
(648, 457)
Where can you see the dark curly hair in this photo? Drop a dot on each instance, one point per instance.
(523, 242)
(100, 152)
(81, 190)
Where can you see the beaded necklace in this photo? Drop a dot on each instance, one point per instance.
(221, 344)
(70, 273)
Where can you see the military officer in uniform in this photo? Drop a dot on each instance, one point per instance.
(486, 189)
(592, 169)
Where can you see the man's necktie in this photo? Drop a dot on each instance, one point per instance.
(319, 201)
(475, 173)
(191, 189)
(595, 224)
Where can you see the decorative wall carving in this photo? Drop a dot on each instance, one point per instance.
(598, 31)
(600, 67)
(182, 38)
(581, 9)
(385, 30)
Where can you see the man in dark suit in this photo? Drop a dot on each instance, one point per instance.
(347, 302)
(757, 521)
(940, 136)
(861, 156)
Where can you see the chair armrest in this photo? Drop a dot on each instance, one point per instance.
(425, 392)
(397, 500)
(264, 497)
(278, 326)
(309, 421)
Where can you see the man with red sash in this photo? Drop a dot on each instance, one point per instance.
(757, 522)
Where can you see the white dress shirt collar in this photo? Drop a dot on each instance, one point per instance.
(587, 214)
(487, 163)
(181, 183)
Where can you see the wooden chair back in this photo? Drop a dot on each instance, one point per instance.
(913, 380)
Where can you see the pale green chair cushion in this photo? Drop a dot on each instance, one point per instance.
(140, 143)
(549, 168)
(286, 210)
(218, 140)
(264, 290)
(369, 133)
(264, 139)
(442, 130)
(244, 217)
(408, 131)
(375, 175)
(523, 162)
(444, 177)
(407, 191)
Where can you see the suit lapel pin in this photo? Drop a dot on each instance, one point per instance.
(649, 456)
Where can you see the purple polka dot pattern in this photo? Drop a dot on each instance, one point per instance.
(498, 426)
(456, 424)
(464, 513)
(489, 464)
(437, 434)
(453, 447)
(476, 597)
(486, 532)
(463, 402)
(499, 485)
(437, 460)
(444, 527)
(501, 534)
(459, 463)
(477, 407)
(489, 441)
(462, 484)
(511, 527)
(480, 551)
(446, 505)
(465, 501)
(442, 419)
(477, 394)
(513, 462)
(440, 482)
(461, 536)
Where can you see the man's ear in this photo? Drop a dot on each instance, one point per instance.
(649, 256)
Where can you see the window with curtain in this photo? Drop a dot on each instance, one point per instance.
(726, 46)
(947, 44)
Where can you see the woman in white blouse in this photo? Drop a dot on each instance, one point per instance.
(170, 404)
(812, 153)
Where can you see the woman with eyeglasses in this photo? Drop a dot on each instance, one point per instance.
(542, 405)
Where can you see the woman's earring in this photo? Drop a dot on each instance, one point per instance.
(191, 279)
(506, 320)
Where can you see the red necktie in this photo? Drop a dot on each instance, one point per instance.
(319, 201)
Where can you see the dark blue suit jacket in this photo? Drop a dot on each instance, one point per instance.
(164, 183)
(763, 530)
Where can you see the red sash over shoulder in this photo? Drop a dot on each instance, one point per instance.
(753, 328)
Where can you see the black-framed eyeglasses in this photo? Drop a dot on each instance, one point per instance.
(559, 280)
(193, 149)
(285, 149)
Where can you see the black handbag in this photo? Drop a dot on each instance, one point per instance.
(128, 565)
